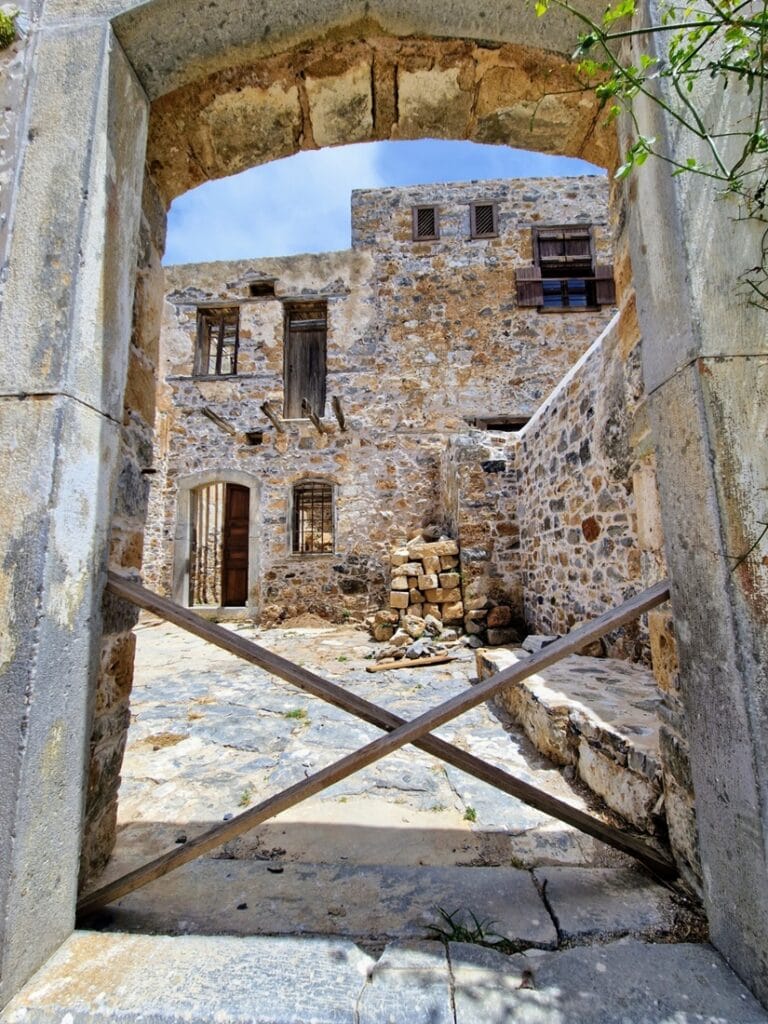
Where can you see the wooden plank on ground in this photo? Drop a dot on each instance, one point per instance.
(432, 659)
(401, 733)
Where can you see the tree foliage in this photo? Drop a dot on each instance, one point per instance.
(696, 47)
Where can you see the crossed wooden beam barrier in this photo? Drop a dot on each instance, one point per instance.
(398, 733)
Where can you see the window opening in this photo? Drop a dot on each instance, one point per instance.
(305, 353)
(218, 339)
(261, 289)
(564, 274)
(508, 424)
(483, 220)
(312, 532)
(425, 223)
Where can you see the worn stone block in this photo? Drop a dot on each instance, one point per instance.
(421, 549)
(448, 562)
(503, 635)
(664, 658)
(432, 564)
(500, 615)
(427, 582)
(453, 613)
(398, 599)
(341, 106)
(410, 568)
(398, 557)
(448, 580)
(400, 583)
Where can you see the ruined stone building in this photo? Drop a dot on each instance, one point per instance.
(112, 108)
(422, 352)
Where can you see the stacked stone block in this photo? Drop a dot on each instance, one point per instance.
(425, 581)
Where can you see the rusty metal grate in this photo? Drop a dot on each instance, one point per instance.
(312, 518)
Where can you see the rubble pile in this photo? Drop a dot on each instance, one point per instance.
(426, 588)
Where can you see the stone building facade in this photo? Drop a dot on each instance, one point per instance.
(83, 222)
(409, 329)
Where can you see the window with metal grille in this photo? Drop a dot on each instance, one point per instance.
(218, 339)
(312, 528)
(425, 223)
(483, 220)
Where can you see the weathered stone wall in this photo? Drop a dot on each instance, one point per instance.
(111, 713)
(577, 515)
(416, 334)
(479, 480)
(448, 309)
(15, 64)
(356, 84)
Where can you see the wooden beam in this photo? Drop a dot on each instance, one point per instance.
(274, 418)
(220, 423)
(432, 659)
(402, 733)
(338, 412)
(308, 411)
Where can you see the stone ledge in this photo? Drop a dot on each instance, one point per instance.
(597, 714)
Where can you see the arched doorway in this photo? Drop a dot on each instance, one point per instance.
(215, 553)
(78, 234)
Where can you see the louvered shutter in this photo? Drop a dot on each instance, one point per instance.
(605, 289)
(529, 288)
(577, 245)
(483, 220)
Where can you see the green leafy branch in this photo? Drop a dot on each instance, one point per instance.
(725, 41)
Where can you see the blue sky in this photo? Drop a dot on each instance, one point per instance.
(301, 204)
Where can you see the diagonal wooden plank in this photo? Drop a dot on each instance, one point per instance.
(402, 733)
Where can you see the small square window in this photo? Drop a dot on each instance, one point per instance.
(218, 339)
(425, 224)
(483, 220)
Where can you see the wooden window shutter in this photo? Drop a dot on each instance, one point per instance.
(530, 291)
(605, 289)
(483, 220)
(577, 244)
(425, 223)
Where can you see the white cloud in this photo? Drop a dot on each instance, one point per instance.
(300, 204)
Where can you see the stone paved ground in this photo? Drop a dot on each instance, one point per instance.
(322, 916)
(211, 735)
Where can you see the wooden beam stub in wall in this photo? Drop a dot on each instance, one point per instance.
(338, 412)
(274, 417)
(220, 423)
(308, 411)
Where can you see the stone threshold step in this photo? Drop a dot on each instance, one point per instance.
(599, 715)
(376, 904)
(97, 977)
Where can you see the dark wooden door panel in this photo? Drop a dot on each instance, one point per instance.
(234, 584)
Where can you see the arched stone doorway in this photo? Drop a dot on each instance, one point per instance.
(76, 238)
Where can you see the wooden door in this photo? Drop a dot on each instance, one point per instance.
(305, 360)
(234, 575)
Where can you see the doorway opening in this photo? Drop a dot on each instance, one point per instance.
(218, 545)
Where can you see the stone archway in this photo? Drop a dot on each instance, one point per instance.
(76, 236)
(182, 536)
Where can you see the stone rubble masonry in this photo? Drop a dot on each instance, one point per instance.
(111, 714)
(433, 594)
(416, 333)
(576, 510)
(355, 85)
